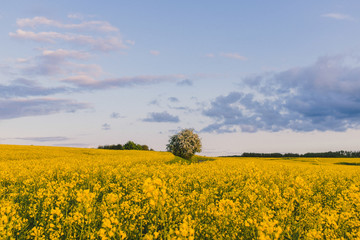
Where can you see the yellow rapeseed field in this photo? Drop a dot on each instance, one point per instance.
(69, 193)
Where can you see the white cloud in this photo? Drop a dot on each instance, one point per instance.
(75, 16)
(234, 56)
(81, 80)
(130, 42)
(100, 26)
(210, 55)
(55, 62)
(27, 22)
(154, 52)
(105, 44)
(62, 59)
(39, 37)
(338, 16)
(63, 53)
(22, 60)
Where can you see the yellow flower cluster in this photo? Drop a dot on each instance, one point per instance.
(68, 193)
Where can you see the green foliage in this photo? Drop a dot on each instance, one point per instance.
(330, 154)
(145, 147)
(115, 147)
(130, 145)
(200, 159)
(194, 159)
(184, 144)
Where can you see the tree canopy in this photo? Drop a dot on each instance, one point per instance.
(184, 144)
(130, 145)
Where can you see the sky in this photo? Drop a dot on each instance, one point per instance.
(247, 76)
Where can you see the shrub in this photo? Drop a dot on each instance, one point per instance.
(184, 144)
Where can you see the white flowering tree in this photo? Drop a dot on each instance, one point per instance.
(184, 144)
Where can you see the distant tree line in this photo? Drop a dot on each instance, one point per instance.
(330, 154)
(130, 145)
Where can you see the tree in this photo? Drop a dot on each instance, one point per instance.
(184, 144)
(130, 145)
(145, 147)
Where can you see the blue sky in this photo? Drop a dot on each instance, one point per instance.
(248, 76)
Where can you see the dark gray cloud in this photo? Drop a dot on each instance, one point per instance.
(185, 82)
(187, 109)
(154, 102)
(173, 99)
(324, 97)
(86, 82)
(161, 117)
(44, 139)
(25, 88)
(15, 108)
(106, 126)
(116, 115)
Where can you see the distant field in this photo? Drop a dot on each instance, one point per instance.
(71, 193)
